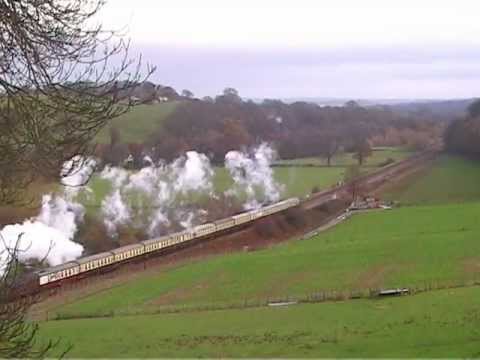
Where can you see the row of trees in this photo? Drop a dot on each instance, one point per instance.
(463, 135)
(216, 126)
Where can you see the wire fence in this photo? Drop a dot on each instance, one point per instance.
(274, 301)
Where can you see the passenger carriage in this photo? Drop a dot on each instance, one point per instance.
(89, 263)
(58, 272)
(128, 252)
(95, 261)
(223, 224)
(241, 218)
(203, 230)
(155, 244)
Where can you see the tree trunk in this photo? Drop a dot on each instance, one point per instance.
(360, 159)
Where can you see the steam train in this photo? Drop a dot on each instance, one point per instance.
(54, 275)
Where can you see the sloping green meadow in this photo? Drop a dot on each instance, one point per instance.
(450, 179)
(404, 247)
(431, 325)
(435, 241)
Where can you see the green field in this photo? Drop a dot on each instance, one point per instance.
(137, 125)
(378, 157)
(431, 325)
(297, 181)
(419, 246)
(451, 179)
(404, 247)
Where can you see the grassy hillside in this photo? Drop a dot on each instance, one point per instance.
(450, 179)
(410, 246)
(137, 125)
(431, 325)
(404, 247)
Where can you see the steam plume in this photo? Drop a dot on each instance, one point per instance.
(253, 176)
(157, 194)
(49, 236)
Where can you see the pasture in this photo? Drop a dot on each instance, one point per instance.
(403, 247)
(433, 241)
(432, 325)
(138, 125)
(379, 156)
(450, 179)
(297, 181)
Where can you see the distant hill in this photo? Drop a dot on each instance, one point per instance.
(341, 101)
(443, 108)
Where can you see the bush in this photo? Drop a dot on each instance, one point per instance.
(296, 217)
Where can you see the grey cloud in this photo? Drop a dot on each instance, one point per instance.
(406, 72)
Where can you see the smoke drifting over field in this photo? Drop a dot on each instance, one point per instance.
(158, 194)
(253, 176)
(154, 199)
(49, 236)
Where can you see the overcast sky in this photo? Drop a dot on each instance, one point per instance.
(279, 49)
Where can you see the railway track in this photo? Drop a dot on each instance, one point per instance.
(367, 182)
(370, 181)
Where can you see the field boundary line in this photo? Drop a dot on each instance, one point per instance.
(292, 300)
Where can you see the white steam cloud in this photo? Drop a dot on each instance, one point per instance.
(153, 196)
(253, 176)
(49, 236)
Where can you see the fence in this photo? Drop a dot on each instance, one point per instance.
(316, 297)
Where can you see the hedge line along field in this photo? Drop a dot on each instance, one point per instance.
(435, 324)
(402, 247)
(450, 179)
(379, 156)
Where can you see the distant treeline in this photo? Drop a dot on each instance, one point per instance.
(215, 126)
(463, 135)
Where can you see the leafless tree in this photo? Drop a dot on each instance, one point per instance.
(352, 180)
(18, 336)
(61, 81)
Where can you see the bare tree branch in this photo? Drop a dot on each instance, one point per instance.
(61, 81)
